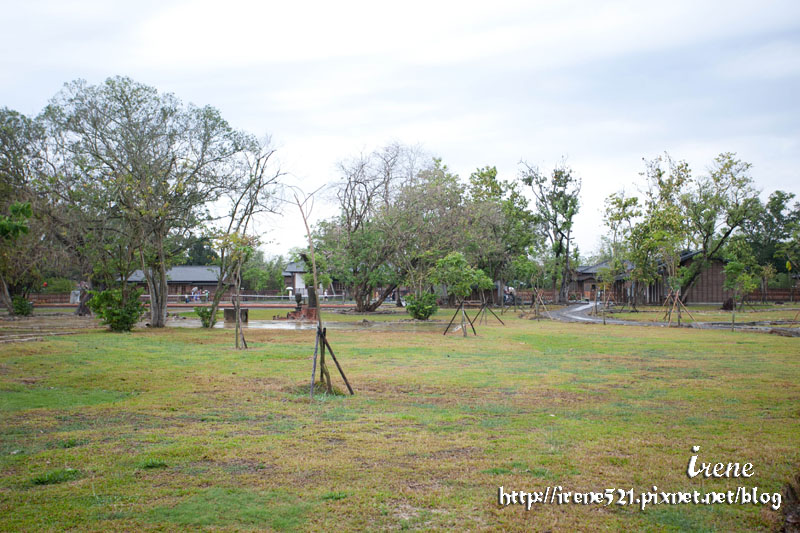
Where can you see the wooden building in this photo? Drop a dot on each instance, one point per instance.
(182, 279)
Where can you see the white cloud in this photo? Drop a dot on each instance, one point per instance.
(477, 83)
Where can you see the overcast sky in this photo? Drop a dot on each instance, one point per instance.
(602, 84)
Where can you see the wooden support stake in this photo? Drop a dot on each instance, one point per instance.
(478, 314)
(323, 367)
(451, 320)
(541, 299)
(495, 315)
(330, 350)
(672, 309)
(664, 305)
(687, 310)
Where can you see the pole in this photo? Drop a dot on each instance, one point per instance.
(314, 364)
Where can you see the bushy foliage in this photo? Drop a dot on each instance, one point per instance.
(22, 307)
(205, 316)
(58, 285)
(116, 312)
(421, 307)
(460, 278)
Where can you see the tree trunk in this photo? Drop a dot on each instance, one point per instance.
(83, 299)
(361, 297)
(219, 292)
(5, 296)
(156, 276)
(566, 277)
(237, 306)
(377, 303)
(159, 320)
(556, 294)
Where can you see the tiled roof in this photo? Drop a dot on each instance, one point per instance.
(184, 274)
(295, 267)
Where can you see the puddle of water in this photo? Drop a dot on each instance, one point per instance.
(305, 325)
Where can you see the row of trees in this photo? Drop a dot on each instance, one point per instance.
(121, 177)
(117, 177)
(718, 215)
(400, 212)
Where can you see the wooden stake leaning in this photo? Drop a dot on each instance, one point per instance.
(483, 309)
(461, 309)
(674, 298)
(330, 350)
(540, 301)
(686, 309)
(451, 320)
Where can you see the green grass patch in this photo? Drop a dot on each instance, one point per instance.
(15, 398)
(224, 507)
(153, 463)
(54, 477)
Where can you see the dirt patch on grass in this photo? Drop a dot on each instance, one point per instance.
(454, 453)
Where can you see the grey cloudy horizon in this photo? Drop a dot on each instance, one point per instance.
(602, 85)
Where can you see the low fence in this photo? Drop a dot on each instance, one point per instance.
(42, 299)
(774, 295)
(49, 298)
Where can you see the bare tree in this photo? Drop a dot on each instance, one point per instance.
(254, 193)
(356, 243)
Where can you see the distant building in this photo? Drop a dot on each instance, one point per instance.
(708, 287)
(293, 280)
(293, 277)
(182, 279)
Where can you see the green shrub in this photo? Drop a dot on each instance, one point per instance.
(423, 307)
(58, 285)
(205, 316)
(22, 306)
(116, 314)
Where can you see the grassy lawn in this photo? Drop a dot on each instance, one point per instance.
(175, 430)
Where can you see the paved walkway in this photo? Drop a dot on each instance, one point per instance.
(580, 313)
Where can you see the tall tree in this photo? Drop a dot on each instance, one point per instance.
(717, 206)
(664, 233)
(424, 223)
(24, 246)
(504, 216)
(769, 226)
(162, 162)
(357, 246)
(620, 215)
(557, 199)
